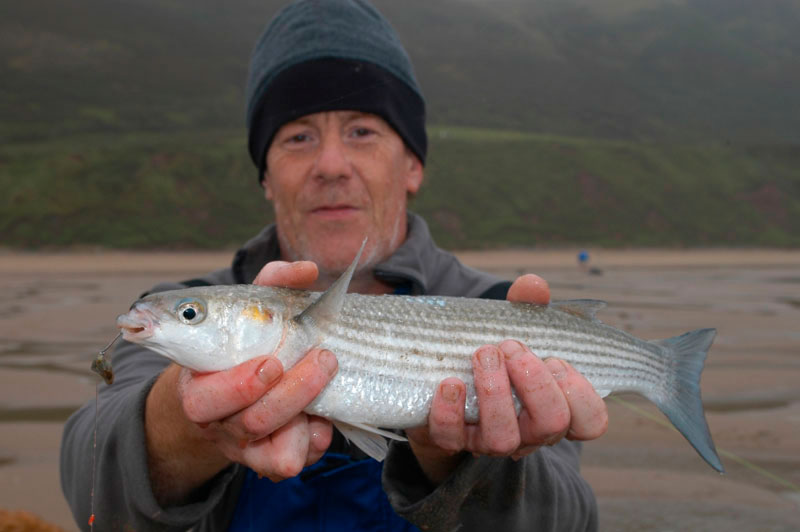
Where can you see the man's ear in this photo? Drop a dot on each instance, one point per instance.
(415, 173)
(265, 183)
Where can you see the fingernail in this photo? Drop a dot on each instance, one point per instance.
(269, 371)
(512, 349)
(450, 393)
(327, 361)
(557, 368)
(488, 358)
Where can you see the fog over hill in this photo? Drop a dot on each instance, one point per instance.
(698, 69)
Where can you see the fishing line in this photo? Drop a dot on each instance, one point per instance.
(738, 459)
(94, 452)
(101, 366)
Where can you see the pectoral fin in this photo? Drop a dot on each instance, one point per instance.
(369, 439)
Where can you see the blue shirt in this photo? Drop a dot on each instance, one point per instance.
(336, 494)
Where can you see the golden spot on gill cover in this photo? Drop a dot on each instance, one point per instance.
(257, 312)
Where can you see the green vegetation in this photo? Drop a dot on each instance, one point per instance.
(130, 191)
(608, 122)
(550, 190)
(484, 188)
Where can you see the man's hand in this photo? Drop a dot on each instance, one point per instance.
(251, 414)
(557, 402)
(254, 412)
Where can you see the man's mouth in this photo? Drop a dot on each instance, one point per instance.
(334, 211)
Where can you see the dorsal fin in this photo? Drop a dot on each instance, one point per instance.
(582, 308)
(326, 309)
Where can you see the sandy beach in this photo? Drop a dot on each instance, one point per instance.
(57, 310)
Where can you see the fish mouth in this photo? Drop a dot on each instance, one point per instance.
(138, 324)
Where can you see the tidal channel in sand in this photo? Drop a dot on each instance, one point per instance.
(57, 310)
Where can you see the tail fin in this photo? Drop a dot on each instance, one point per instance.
(679, 398)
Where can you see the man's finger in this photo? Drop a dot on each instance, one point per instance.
(446, 419)
(300, 274)
(208, 397)
(320, 436)
(589, 416)
(298, 387)
(499, 430)
(280, 455)
(546, 414)
(529, 288)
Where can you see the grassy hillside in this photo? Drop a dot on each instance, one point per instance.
(560, 190)
(484, 188)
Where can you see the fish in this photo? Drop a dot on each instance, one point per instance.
(394, 350)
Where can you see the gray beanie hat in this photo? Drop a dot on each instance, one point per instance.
(322, 55)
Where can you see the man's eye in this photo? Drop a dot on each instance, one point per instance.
(297, 139)
(362, 132)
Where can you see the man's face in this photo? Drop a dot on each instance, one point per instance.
(334, 178)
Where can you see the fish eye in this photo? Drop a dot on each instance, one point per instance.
(191, 311)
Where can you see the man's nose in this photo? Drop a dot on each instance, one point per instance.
(332, 159)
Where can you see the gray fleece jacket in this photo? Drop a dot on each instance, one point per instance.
(543, 491)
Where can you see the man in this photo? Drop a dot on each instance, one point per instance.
(336, 127)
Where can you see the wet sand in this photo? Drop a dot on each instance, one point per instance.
(57, 310)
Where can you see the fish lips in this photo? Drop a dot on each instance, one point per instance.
(138, 324)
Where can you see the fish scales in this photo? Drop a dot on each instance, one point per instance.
(394, 350)
(539, 337)
(432, 331)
